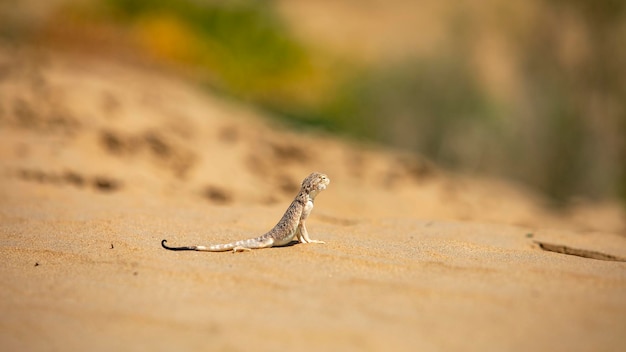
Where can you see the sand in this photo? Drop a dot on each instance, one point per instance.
(100, 161)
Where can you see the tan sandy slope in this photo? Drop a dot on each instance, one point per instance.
(101, 161)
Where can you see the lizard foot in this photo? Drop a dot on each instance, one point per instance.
(241, 249)
(315, 241)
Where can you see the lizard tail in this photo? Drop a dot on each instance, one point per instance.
(186, 248)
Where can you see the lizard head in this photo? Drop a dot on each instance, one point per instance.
(314, 183)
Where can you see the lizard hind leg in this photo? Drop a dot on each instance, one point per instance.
(241, 249)
(255, 243)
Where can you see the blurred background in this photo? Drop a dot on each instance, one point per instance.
(532, 91)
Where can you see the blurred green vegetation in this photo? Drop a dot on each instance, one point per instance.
(560, 126)
(242, 46)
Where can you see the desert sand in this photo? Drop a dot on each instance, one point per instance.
(100, 161)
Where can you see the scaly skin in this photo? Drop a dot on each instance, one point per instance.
(291, 225)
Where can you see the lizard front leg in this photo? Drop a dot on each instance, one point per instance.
(303, 235)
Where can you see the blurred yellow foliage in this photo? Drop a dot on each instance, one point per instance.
(166, 37)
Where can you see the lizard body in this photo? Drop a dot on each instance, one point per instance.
(291, 225)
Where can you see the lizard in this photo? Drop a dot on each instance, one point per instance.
(291, 225)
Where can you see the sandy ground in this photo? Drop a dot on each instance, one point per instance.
(101, 161)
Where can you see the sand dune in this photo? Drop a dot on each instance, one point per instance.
(101, 160)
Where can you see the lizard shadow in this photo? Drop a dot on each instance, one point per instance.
(290, 244)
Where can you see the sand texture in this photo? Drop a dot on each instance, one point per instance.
(101, 161)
